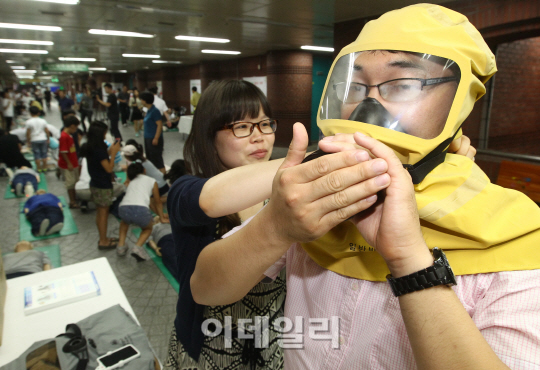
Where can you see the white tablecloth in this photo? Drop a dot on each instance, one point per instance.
(21, 331)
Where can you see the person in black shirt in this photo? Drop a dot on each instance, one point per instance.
(123, 99)
(10, 151)
(100, 163)
(112, 110)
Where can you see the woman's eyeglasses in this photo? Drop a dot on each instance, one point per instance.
(244, 129)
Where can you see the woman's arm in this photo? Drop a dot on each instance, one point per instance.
(249, 184)
(157, 203)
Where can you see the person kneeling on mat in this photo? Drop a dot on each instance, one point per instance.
(44, 212)
(134, 209)
(24, 181)
(25, 261)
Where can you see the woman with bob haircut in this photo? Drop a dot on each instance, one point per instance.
(232, 127)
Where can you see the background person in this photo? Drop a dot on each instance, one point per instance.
(134, 209)
(68, 161)
(10, 151)
(44, 212)
(153, 132)
(64, 102)
(113, 113)
(100, 167)
(123, 107)
(136, 114)
(8, 106)
(195, 96)
(86, 108)
(37, 134)
(25, 261)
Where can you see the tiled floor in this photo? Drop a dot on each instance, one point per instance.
(149, 293)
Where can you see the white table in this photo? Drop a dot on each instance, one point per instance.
(184, 126)
(21, 331)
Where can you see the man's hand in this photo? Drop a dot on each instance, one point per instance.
(169, 123)
(155, 141)
(70, 166)
(392, 226)
(115, 147)
(311, 198)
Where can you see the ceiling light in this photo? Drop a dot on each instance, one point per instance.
(25, 42)
(166, 61)
(69, 59)
(317, 48)
(202, 39)
(97, 69)
(174, 49)
(30, 27)
(24, 51)
(263, 21)
(68, 2)
(120, 71)
(159, 11)
(206, 51)
(18, 67)
(25, 71)
(11, 61)
(45, 77)
(119, 33)
(140, 56)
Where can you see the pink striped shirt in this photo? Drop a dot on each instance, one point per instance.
(505, 306)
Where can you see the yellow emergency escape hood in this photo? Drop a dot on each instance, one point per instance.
(481, 227)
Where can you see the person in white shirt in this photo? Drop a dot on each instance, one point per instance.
(161, 105)
(134, 209)
(7, 106)
(37, 133)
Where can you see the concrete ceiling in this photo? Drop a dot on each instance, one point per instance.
(253, 26)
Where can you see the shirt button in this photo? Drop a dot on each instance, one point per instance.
(354, 286)
(341, 340)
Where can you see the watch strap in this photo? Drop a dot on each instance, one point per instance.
(439, 273)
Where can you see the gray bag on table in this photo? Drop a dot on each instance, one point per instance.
(104, 331)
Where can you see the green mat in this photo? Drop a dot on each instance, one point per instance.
(121, 175)
(41, 186)
(51, 251)
(159, 262)
(29, 156)
(25, 228)
(172, 129)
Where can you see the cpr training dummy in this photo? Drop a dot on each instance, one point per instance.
(370, 225)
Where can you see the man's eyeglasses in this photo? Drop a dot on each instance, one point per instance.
(398, 90)
(244, 129)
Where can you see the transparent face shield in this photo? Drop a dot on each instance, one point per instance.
(401, 91)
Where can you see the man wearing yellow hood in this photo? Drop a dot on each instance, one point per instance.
(405, 86)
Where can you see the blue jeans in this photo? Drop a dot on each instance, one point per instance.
(23, 178)
(40, 149)
(36, 217)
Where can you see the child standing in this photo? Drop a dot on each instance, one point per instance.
(134, 209)
(38, 135)
(68, 161)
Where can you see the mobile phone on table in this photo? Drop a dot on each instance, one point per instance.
(117, 358)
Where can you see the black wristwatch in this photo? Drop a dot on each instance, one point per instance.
(439, 274)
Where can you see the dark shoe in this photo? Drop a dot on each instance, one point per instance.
(111, 245)
(84, 207)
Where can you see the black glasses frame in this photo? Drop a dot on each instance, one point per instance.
(424, 81)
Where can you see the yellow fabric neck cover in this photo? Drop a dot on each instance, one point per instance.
(481, 227)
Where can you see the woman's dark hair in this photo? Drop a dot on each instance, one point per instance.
(140, 150)
(96, 136)
(134, 170)
(148, 97)
(178, 169)
(223, 102)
